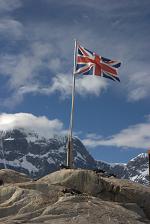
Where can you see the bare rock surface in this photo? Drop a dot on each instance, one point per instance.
(11, 176)
(74, 196)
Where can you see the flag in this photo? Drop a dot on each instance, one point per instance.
(89, 63)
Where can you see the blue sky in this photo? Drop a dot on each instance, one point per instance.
(36, 62)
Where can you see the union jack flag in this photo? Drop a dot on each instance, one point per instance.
(89, 63)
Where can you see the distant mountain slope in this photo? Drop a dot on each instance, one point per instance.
(37, 156)
(136, 169)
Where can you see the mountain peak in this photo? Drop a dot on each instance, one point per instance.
(27, 151)
(140, 156)
(35, 155)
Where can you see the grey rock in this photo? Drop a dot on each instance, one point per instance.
(103, 200)
(11, 176)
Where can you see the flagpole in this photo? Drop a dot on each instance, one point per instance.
(70, 139)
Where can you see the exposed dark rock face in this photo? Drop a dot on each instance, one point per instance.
(136, 169)
(37, 156)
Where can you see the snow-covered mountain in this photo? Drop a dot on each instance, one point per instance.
(28, 152)
(136, 169)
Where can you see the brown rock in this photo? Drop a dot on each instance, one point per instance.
(11, 176)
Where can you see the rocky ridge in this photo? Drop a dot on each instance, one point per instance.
(135, 170)
(74, 196)
(28, 152)
(36, 156)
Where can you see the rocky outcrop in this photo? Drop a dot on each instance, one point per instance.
(11, 176)
(75, 196)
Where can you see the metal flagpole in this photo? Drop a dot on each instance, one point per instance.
(70, 140)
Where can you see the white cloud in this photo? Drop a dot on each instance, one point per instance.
(41, 124)
(18, 96)
(139, 86)
(93, 136)
(9, 5)
(11, 29)
(124, 49)
(23, 71)
(12, 101)
(55, 64)
(52, 44)
(84, 86)
(19, 68)
(23, 68)
(41, 49)
(136, 136)
(63, 84)
(91, 85)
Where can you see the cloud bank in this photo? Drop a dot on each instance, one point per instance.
(40, 124)
(136, 136)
